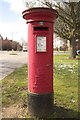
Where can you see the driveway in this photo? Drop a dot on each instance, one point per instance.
(8, 63)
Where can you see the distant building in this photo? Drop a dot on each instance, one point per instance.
(58, 43)
(6, 44)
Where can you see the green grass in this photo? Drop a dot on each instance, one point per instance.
(66, 86)
(14, 87)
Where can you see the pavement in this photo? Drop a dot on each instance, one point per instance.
(9, 63)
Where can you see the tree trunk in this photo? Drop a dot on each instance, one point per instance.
(73, 48)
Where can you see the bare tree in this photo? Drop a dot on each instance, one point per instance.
(68, 23)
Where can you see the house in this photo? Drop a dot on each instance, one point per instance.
(6, 44)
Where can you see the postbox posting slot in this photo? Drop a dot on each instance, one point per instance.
(40, 28)
(41, 44)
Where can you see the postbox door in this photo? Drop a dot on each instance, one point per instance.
(43, 78)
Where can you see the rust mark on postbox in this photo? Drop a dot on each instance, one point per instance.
(40, 59)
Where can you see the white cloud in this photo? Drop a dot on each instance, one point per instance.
(16, 30)
(16, 5)
(19, 5)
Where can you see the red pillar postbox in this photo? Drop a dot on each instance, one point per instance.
(40, 59)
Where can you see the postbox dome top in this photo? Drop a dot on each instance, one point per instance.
(40, 13)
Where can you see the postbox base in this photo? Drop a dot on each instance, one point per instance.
(40, 105)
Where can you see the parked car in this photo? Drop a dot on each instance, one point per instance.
(78, 52)
(24, 48)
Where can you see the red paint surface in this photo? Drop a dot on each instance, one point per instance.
(40, 64)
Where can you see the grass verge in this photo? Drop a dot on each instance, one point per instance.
(14, 87)
(66, 86)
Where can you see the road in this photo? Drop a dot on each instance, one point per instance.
(8, 63)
